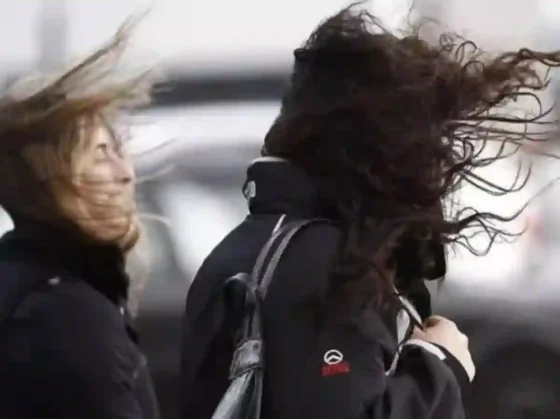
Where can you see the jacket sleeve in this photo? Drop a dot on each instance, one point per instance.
(357, 381)
(80, 362)
(351, 370)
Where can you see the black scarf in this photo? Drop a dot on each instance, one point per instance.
(58, 250)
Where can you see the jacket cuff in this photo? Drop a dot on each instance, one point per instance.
(461, 374)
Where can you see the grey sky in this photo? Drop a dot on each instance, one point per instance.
(189, 31)
(174, 30)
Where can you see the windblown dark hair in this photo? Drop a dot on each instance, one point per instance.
(388, 127)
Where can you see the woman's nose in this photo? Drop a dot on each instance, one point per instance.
(124, 170)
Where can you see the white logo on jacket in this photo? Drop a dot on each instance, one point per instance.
(333, 357)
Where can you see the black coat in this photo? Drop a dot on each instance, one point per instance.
(69, 349)
(359, 369)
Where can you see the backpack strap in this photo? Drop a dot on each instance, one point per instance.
(243, 397)
(266, 277)
(272, 252)
(248, 354)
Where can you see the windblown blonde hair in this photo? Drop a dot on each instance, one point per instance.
(45, 122)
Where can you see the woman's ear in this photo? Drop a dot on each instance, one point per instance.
(420, 259)
(439, 267)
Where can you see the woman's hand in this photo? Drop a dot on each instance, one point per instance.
(443, 332)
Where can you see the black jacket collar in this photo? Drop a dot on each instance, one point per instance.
(102, 266)
(275, 186)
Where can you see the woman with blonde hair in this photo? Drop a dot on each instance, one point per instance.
(68, 348)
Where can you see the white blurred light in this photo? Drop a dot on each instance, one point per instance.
(192, 127)
(145, 138)
(550, 10)
(393, 13)
(199, 219)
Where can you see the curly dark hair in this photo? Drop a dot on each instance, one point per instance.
(388, 127)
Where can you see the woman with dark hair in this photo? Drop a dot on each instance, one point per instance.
(69, 349)
(375, 133)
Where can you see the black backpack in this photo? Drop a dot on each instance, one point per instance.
(242, 400)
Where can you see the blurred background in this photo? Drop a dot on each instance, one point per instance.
(224, 64)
